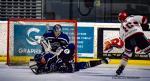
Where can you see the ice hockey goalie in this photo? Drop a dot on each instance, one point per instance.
(57, 53)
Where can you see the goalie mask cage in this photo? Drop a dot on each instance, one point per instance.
(22, 35)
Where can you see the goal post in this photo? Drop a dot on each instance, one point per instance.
(22, 33)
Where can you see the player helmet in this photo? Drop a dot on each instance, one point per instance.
(122, 16)
(57, 27)
(38, 58)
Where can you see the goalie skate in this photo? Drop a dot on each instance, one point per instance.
(105, 60)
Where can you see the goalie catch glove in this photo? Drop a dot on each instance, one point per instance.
(45, 44)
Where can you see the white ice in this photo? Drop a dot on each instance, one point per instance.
(99, 73)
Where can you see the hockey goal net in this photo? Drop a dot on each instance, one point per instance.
(23, 33)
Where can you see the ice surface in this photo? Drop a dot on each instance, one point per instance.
(99, 73)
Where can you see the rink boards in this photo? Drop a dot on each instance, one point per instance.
(112, 61)
(84, 53)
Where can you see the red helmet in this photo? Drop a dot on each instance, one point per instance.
(122, 16)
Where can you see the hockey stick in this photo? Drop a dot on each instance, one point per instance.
(112, 54)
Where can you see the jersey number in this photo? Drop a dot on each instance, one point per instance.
(130, 25)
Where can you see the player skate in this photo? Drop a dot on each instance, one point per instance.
(120, 70)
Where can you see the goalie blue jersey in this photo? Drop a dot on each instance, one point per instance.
(56, 42)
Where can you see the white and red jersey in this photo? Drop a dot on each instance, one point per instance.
(132, 26)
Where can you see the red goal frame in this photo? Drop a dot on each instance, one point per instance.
(39, 20)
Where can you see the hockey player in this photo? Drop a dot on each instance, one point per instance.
(56, 50)
(131, 32)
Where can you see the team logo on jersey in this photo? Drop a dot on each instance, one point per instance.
(66, 51)
(30, 39)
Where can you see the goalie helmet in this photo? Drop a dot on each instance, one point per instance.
(57, 28)
(122, 16)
